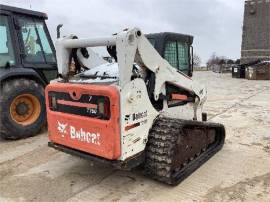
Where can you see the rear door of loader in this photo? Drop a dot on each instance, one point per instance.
(85, 118)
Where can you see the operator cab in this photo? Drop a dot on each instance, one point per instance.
(25, 42)
(27, 65)
(175, 48)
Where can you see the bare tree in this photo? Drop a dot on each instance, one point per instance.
(212, 60)
(217, 60)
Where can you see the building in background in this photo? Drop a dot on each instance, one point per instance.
(256, 31)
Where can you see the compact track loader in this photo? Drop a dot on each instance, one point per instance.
(138, 110)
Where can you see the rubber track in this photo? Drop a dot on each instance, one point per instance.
(160, 150)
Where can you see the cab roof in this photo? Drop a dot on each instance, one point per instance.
(23, 11)
(171, 36)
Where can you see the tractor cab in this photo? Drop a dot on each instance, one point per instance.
(25, 42)
(27, 64)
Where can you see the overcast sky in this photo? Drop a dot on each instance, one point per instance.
(215, 24)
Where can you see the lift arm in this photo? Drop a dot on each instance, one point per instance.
(131, 47)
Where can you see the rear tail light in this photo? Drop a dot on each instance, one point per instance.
(101, 107)
(52, 102)
(104, 108)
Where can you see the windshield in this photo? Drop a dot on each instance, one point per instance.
(6, 48)
(37, 48)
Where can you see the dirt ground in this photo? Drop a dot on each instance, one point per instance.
(30, 171)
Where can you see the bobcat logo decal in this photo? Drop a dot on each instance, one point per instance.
(62, 128)
(78, 134)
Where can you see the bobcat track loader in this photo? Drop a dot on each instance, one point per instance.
(138, 110)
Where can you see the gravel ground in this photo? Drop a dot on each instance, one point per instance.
(30, 171)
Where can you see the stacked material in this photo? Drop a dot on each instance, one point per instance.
(260, 71)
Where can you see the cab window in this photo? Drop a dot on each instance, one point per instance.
(36, 44)
(152, 41)
(182, 56)
(170, 53)
(176, 53)
(49, 56)
(6, 47)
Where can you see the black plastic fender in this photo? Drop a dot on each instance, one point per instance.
(16, 72)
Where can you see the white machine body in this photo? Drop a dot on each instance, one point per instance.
(134, 49)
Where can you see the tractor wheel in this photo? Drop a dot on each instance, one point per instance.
(22, 108)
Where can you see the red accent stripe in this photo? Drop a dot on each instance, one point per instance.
(179, 97)
(77, 104)
(131, 126)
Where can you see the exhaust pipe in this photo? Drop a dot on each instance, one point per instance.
(58, 30)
